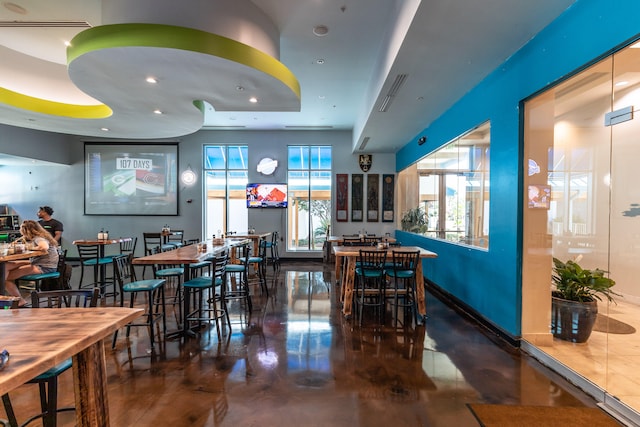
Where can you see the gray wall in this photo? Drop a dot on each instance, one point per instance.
(27, 186)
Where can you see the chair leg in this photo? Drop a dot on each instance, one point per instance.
(151, 316)
(115, 338)
(51, 417)
(8, 408)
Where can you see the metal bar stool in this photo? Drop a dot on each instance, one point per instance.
(196, 288)
(153, 288)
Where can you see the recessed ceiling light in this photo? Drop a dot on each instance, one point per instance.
(239, 88)
(151, 79)
(104, 129)
(157, 112)
(320, 61)
(320, 30)
(253, 99)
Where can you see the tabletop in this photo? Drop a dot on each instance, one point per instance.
(256, 235)
(188, 254)
(340, 239)
(23, 255)
(355, 250)
(41, 338)
(101, 241)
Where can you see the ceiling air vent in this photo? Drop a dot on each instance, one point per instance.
(395, 87)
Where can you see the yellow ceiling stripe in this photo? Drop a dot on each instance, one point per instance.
(43, 106)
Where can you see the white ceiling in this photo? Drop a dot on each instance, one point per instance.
(444, 47)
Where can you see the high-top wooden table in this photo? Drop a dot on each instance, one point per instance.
(338, 240)
(347, 277)
(255, 239)
(14, 257)
(184, 256)
(40, 338)
(101, 243)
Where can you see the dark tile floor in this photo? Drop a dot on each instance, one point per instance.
(297, 362)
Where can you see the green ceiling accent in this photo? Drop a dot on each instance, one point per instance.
(174, 37)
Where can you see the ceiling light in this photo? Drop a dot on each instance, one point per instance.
(67, 43)
(157, 112)
(320, 61)
(104, 129)
(253, 99)
(151, 80)
(239, 88)
(320, 30)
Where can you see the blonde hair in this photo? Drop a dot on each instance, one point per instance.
(31, 229)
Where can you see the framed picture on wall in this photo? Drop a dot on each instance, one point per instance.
(342, 197)
(373, 197)
(130, 179)
(357, 190)
(387, 197)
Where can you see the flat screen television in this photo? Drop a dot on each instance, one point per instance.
(267, 195)
(131, 179)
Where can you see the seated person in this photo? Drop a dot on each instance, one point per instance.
(40, 239)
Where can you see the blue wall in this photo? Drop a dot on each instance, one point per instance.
(489, 281)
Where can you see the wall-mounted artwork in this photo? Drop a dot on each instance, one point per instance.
(342, 197)
(357, 189)
(373, 197)
(387, 197)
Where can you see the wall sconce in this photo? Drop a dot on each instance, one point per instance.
(188, 176)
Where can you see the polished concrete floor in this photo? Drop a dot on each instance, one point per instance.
(610, 357)
(296, 361)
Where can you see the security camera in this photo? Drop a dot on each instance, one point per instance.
(422, 140)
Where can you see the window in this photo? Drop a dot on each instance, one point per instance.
(226, 177)
(309, 213)
(451, 200)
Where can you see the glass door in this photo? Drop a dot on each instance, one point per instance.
(581, 152)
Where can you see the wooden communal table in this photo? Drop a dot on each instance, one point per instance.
(347, 277)
(14, 257)
(41, 338)
(338, 240)
(184, 256)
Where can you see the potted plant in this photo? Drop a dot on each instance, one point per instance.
(574, 300)
(414, 221)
